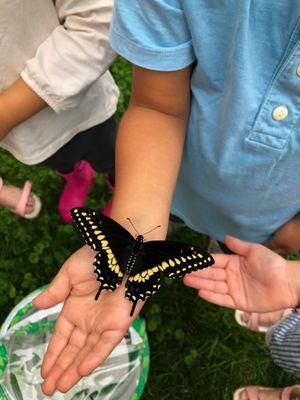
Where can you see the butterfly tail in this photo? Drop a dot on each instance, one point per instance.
(98, 293)
(133, 308)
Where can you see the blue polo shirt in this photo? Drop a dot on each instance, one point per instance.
(240, 171)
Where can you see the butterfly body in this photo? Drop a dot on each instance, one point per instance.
(139, 240)
(141, 262)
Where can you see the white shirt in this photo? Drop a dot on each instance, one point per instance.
(61, 50)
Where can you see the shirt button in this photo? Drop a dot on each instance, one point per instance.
(298, 71)
(280, 113)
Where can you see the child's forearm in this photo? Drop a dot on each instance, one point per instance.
(18, 103)
(149, 150)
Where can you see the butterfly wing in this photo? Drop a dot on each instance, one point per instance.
(99, 231)
(174, 259)
(110, 239)
(141, 286)
(108, 272)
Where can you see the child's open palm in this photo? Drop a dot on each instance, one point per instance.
(86, 331)
(255, 279)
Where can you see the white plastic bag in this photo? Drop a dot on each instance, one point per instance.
(23, 340)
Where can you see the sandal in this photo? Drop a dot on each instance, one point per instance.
(21, 205)
(252, 323)
(253, 392)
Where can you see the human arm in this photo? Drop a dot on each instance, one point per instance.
(254, 279)
(18, 103)
(80, 54)
(286, 240)
(149, 149)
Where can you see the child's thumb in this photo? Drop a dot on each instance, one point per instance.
(238, 246)
(55, 293)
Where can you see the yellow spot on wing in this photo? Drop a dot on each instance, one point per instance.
(165, 265)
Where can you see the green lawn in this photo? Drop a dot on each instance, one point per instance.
(197, 350)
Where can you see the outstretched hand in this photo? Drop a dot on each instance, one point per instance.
(86, 331)
(255, 279)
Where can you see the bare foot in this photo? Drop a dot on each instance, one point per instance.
(266, 319)
(273, 394)
(10, 196)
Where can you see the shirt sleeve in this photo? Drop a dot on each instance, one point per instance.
(285, 343)
(153, 34)
(75, 54)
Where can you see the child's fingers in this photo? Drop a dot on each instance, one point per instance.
(207, 284)
(238, 246)
(108, 341)
(65, 359)
(59, 340)
(57, 292)
(216, 274)
(223, 300)
(71, 375)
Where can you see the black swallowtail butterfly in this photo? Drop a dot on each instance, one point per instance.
(119, 254)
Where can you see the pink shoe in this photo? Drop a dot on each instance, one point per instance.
(107, 208)
(76, 190)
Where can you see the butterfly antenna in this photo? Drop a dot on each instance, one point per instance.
(132, 225)
(158, 226)
(146, 233)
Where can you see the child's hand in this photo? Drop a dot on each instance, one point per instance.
(256, 279)
(286, 239)
(86, 331)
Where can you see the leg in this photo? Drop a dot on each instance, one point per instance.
(77, 161)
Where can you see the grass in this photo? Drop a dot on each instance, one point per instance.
(197, 350)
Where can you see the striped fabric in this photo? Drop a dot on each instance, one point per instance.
(285, 344)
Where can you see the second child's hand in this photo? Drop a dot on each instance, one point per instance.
(255, 279)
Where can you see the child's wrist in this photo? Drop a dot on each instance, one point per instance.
(143, 223)
(293, 271)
